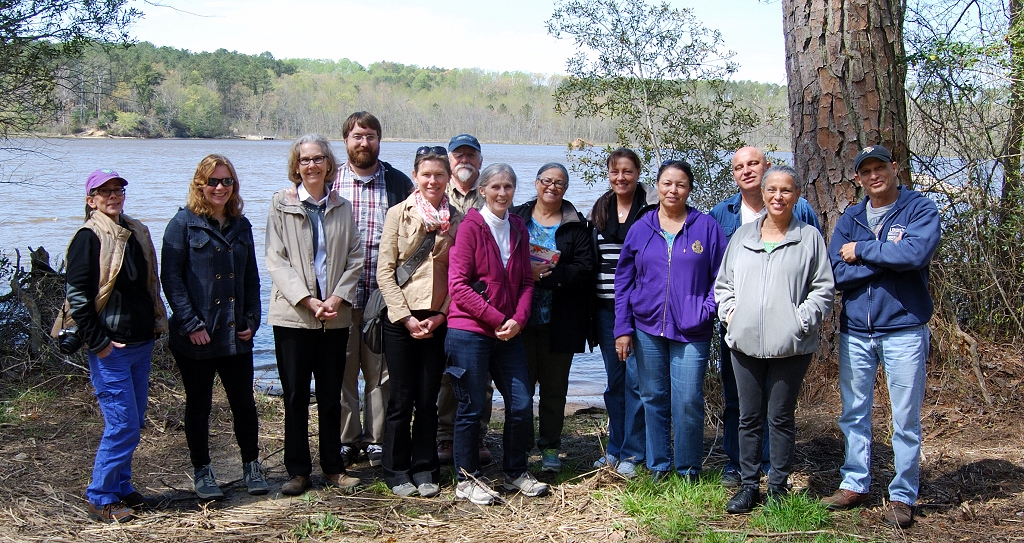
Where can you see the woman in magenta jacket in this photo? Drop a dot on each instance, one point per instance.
(665, 309)
(491, 287)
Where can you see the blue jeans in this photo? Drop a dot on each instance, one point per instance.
(121, 382)
(626, 429)
(671, 375)
(902, 354)
(731, 414)
(470, 357)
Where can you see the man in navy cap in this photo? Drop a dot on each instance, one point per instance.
(466, 161)
(880, 252)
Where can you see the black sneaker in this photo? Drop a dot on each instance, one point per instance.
(349, 455)
(776, 493)
(731, 479)
(744, 501)
(138, 502)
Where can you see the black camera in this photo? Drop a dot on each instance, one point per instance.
(68, 341)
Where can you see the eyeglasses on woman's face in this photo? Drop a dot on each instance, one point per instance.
(319, 159)
(107, 193)
(547, 182)
(214, 181)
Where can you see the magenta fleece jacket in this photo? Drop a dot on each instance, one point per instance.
(509, 289)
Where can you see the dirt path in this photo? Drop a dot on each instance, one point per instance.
(971, 486)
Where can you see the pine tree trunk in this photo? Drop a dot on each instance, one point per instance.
(847, 78)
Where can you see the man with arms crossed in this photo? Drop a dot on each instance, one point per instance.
(466, 160)
(880, 252)
(748, 167)
(372, 186)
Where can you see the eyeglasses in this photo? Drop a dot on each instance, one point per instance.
(214, 181)
(369, 138)
(107, 193)
(547, 182)
(319, 159)
(427, 150)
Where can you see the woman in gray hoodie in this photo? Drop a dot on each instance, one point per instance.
(774, 289)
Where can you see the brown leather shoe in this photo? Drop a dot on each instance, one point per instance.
(111, 513)
(484, 453)
(844, 499)
(342, 481)
(296, 485)
(898, 514)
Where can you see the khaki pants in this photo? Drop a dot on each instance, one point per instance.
(375, 393)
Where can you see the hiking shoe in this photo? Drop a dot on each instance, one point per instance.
(844, 499)
(476, 492)
(375, 454)
(295, 486)
(626, 469)
(138, 502)
(484, 452)
(606, 461)
(731, 479)
(527, 484)
(776, 493)
(112, 512)
(744, 501)
(205, 482)
(898, 514)
(255, 478)
(428, 490)
(549, 461)
(445, 451)
(405, 490)
(349, 455)
(342, 481)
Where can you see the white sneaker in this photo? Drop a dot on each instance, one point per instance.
(626, 469)
(527, 484)
(428, 490)
(606, 461)
(476, 492)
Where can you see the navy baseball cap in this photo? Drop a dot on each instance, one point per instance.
(874, 151)
(463, 139)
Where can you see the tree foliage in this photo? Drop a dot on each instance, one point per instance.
(659, 75)
(36, 36)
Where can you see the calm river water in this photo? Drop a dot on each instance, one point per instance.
(44, 191)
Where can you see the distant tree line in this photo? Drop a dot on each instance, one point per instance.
(147, 91)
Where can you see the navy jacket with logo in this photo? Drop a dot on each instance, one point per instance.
(887, 288)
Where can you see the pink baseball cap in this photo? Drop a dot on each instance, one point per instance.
(99, 177)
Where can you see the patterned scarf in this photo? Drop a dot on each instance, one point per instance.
(433, 218)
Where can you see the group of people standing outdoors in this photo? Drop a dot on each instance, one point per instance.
(469, 306)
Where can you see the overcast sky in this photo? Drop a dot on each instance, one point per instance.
(497, 36)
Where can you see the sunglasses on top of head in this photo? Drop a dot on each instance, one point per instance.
(428, 150)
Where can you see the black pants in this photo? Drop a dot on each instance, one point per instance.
(768, 388)
(551, 371)
(236, 376)
(303, 353)
(414, 367)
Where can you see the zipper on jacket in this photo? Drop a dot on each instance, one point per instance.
(668, 280)
(765, 272)
(877, 237)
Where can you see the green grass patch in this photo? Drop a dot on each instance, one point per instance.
(795, 513)
(7, 414)
(319, 525)
(380, 488)
(673, 509)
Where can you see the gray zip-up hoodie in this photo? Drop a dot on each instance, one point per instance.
(777, 300)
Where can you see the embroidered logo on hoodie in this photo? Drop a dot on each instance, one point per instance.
(895, 233)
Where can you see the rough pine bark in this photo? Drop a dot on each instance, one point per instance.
(844, 62)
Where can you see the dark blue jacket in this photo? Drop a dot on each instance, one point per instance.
(728, 214)
(211, 281)
(887, 288)
(672, 298)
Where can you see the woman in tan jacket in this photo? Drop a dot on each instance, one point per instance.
(314, 257)
(415, 327)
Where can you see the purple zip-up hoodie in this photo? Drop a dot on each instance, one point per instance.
(669, 297)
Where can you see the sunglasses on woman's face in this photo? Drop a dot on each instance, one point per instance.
(436, 150)
(214, 181)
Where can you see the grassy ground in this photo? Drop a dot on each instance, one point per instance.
(971, 484)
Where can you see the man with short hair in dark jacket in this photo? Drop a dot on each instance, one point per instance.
(880, 252)
(373, 186)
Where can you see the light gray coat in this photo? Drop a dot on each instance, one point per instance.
(777, 300)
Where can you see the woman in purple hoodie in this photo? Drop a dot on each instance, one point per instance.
(665, 309)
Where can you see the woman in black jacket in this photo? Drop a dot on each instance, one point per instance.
(560, 317)
(210, 278)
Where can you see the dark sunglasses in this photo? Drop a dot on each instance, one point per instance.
(435, 150)
(214, 181)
